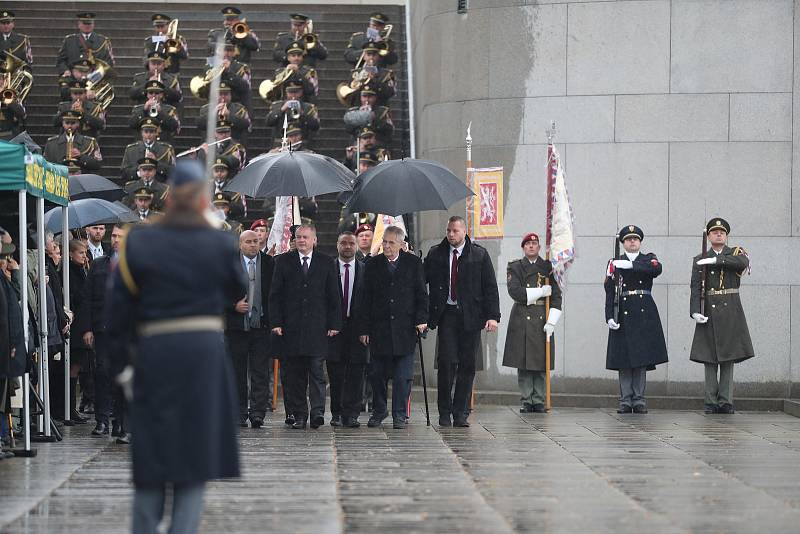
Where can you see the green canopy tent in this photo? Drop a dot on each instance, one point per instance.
(30, 174)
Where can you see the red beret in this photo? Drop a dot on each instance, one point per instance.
(529, 237)
(258, 223)
(364, 228)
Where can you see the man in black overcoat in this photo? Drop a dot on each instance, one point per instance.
(463, 301)
(394, 311)
(305, 310)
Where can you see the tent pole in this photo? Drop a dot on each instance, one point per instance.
(65, 272)
(44, 381)
(23, 281)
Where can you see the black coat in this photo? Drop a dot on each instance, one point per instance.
(305, 306)
(347, 343)
(477, 294)
(639, 341)
(393, 304)
(12, 333)
(77, 279)
(91, 316)
(235, 320)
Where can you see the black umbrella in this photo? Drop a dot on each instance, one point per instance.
(86, 212)
(405, 186)
(297, 174)
(93, 186)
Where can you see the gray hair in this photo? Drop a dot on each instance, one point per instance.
(396, 231)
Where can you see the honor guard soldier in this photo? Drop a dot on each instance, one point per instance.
(635, 338)
(86, 44)
(143, 200)
(302, 30)
(235, 30)
(12, 42)
(147, 168)
(222, 201)
(227, 110)
(149, 146)
(155, 108)
(364, 234)
(721, 337)
(530, 281)
(93, 117)
(369, 114)
(175, 50)
(155, 72)
(72, 147)
(221, 170)
(378, 31)
(12, 116)
(302, 114)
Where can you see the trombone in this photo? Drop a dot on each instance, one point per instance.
(240, 30)
(173, 44)
(309, 37)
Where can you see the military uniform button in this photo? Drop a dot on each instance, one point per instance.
(624, 298)
(713, 305)
(528, 285)
(540, 317)
(528, 317)
(626, 313)
(391, 317)
(641, 296)
(642, 310)
(712, 272)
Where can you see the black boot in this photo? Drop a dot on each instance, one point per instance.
(74, 415)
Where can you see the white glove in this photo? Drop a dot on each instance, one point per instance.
(623, 264)
(546, 291)
(534, 294)
(707, 261)
(612, 325)
(552, 321)
(549, 328)
(125, 380)
(700, 319)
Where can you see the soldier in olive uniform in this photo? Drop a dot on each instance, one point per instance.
(155, 71)
(236, 74)
(369, 114)
(93, 117)
(367, 145)
(222, 201)
(154, 107)
(12, 116)
(375, 32)
(380, 79)
(12, 42)
(231, 149)
(77, 72)
(147, 179)
(302, 114)
(149, 146)
(721, 337)
(300, 28)
(221, 170)
(635, 339)
(86, 44)
(530, 281)
(227, 110)
(85, 151)
(243, 47)
(158, 42)
(300, 73)
(143, 205)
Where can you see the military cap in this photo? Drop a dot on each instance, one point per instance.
(224, 87)
(147, 162)
(365, 227)
(299, 17)
(370, 46)
(293, 128)
(71, 114)
(149, 122)
(366, 131)
(221, 199)
(143, 192)
(82, 65)
(223, 125)
(154, 86)
(231, 11)
(221, 163)
(378, 17)
(160, 18)
(529, 237)
(369, 158)
(296, 46)
(368, 90)
(258, 223)
(86, 16)
(156, 55)
(6, 16)
(630, 231)
(76, 86)
(294, 85)
(718, 223)
(186, 171)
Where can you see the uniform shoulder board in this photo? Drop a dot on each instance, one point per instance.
(282, 33)
(70, 35)
(53, 137)
(132, 144)
(356, 34)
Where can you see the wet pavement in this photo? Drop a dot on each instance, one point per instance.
(572, 470)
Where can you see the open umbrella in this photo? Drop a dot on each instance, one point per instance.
(93, 186)
(86, 212)
(296, 174)
(405, 186)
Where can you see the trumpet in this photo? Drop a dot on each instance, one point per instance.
(270, 90)
(294, 113)
(222, 111)
(199, 84)
(240, 30)
(155, 108)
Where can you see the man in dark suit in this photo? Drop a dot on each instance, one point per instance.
(463, 301)
(305, 309)
(393, 312)
(247, 332)
(347, 356)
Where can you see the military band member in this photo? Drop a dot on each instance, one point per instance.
(227, 110)
(12, 116)
(380, 79)
(299, 32)
(236, 75)
(155, 108)
(84, 151)
(635, 339)
(721, 337)
(244, 46)
(149, 146)
(156, 72)
(93, 117)
(222, 202)
(367, 145)
(78, 72)
(230, 148)
(86, 44)
(370, 114)
(13, 42)
(221, 170)
(158, 42)
(146, 172)
(376, 31)
(530, 281)
(306, 76)
(302, 114)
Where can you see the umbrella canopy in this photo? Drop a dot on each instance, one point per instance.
(93, 186)
(405, 186)
(296, 174)
(86, 212)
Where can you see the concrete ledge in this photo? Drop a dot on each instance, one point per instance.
(792, 407)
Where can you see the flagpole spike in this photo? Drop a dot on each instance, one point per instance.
(285, 141)
(551, 132)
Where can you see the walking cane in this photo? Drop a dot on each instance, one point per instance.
(424, 381)
(275, 373)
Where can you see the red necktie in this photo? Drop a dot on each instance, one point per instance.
(346, 291)
(454, 276)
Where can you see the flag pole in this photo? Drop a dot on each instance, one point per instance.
(468, 208)
(551, 132)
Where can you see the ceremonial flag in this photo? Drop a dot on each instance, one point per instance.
(280, 233)
(381, 223)
(485, 213)
(560, 242)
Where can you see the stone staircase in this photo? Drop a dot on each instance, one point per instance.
(127, 24)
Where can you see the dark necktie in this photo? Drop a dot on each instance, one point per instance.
(392, 266)
(346, 291)
(305, 265)
(454, 276)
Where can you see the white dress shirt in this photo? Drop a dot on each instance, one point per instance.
(450, 270)
(352, 269)
(305, 256)
(95, 251)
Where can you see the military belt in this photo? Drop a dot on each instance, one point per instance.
(730, 291)
(177, 325)
(636, 292)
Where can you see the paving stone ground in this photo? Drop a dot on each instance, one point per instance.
(574, 470)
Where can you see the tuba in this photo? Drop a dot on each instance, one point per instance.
(18, 80)
(99, 82)
(199, 85)
(270, 90)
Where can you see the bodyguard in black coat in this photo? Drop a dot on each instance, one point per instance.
(463, 301)
(305, 309)
(636, 339)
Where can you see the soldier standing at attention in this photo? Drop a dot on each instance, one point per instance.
(635, 339)
(13, 42)
(721, 337)
(84, 45)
